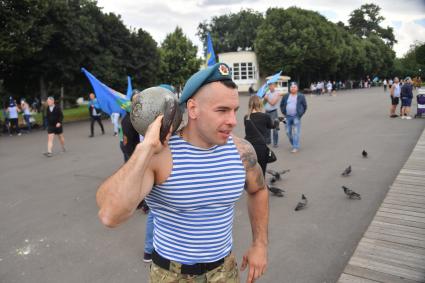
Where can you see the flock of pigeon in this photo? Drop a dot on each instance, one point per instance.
(276, 176)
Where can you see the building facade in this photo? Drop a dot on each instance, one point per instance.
(245, 69)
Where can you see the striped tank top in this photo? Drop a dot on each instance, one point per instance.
(193, 209)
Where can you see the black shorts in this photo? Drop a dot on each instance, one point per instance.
(394, 100)
(54, 130)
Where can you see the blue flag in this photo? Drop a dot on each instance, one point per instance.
(274, 78)
(129, 88)
(110, 100)
(210, 51)
(265, 87)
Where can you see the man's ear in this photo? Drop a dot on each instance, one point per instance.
(192, 108)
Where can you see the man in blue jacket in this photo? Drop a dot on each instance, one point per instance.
(293, 106)
(95, 114)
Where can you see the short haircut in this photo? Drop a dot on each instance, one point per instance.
(229, 83)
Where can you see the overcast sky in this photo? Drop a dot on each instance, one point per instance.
(160, 17)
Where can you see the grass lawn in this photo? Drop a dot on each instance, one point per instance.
(69, 115)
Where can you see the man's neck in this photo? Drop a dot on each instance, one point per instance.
(189, 134)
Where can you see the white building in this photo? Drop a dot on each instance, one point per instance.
(244, 66)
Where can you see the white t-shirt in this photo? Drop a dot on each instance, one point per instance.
(13, 112)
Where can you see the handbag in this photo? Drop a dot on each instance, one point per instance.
(271, 157)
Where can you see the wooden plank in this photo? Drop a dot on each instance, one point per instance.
(396, 233)
(395, 239)
(403, 197)
(406, 191)
(408, 188)
(396, 248)
(403, 207)
(397, 227)
(399, 221)
(388, 268)
(416, 194)
(391, 259)
(409, 172)
(401, 216)
(410, 180)
(402, 212)
(347, 278)
(375, 275)
(403, 202)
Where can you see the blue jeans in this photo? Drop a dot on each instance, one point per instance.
(27, 121)
(149, 234)
(273, 132)
(293, 129)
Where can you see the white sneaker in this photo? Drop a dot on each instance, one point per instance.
(294, 150)
(408, 118)
(403, 117)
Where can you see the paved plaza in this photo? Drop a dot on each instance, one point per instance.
(49, 230)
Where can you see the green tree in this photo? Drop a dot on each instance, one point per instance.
(232, 31)
(301, 43)
(178, 59)
(51, 40)
(366, 21)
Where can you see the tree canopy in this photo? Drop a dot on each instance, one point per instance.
(366, 20)
(44, 44)
(233, 31)
(178, 59)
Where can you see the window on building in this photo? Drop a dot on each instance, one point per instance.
(243, 71)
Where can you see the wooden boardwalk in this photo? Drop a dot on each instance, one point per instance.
(393, 247)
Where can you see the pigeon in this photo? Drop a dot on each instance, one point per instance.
(350, 193)
(282, 119)
(364, 153)
(276, 191)
(347, 171)
(276, 174)
(302, 204)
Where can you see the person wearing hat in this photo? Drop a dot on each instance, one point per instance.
(406, 98)
(191, 183)
(12, 112)
(293, 106)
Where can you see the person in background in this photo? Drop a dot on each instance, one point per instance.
(395, 97)
(293, 106)
(27, 113)
(257, 125)
(95, 114)
(6, 125)
(406, 95)
(12, 112)
(54, 126)
(115, 117)
(272, 98)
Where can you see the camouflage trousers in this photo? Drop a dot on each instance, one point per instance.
(225, 273)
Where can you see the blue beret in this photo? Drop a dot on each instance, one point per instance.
(215, 73)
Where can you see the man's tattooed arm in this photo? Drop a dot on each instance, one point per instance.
(254, 175)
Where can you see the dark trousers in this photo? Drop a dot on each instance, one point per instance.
(262, 152)
(14, 125)
(99, 121)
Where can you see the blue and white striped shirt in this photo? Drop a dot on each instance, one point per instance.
(193, 209)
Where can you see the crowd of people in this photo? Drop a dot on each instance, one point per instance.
(401, 92)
